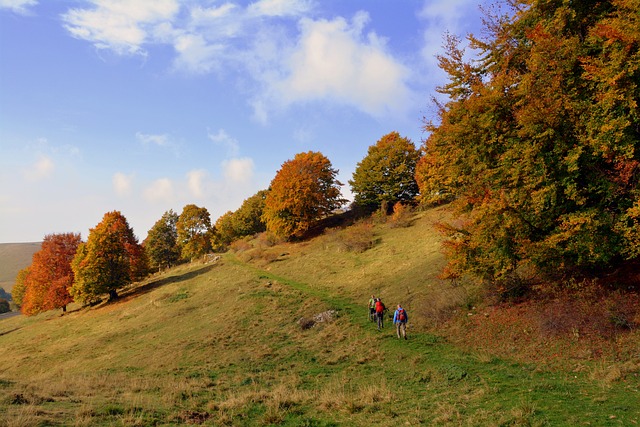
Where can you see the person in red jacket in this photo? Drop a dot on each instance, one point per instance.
(380, 309)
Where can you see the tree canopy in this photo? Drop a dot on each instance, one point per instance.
(48, 278)
(194, 232)
(161, 244)
(387, 173)
(110, 259)
(304, 190)
(246, 221)
(539, 142)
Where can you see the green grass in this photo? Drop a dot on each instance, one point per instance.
(220, 344)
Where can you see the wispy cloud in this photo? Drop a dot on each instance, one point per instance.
(239, 170)
(122, 184)
(119, 25)
(442, 17)
(18, 6)
(222, 138)
(160, 140)
(197, 183)
(290, 56)
(280, 7)
(160, 190)
(41, 169)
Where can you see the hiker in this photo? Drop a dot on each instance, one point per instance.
(380, 309)
(400, 318)
(372, 308)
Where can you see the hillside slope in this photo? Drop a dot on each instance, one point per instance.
(13, 258)
(230, 343)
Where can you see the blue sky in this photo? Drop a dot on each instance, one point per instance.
(143, 106)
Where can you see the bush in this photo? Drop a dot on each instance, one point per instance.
(357, 238)
(401, 216)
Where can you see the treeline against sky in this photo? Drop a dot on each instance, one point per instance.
(537, 148)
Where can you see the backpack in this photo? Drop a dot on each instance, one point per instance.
(401, 316)
(379, 307)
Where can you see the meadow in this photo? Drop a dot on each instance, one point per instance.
(278, 334)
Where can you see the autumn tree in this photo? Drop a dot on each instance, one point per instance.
(109, 260)
(194, 232)
(387, 173)
(50, 276)
(539, 142)
(161, 244)
(304, 190)
(20, 287)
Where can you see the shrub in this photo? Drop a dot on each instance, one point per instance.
(357, 238)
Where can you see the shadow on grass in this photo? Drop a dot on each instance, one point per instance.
(135, 292)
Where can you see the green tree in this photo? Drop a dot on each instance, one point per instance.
(194, 232)
(161, 244)
(4, 306)
(539, 142)
(224, 232)
(247, 220)
(109, 260)
(304, 190)
(387, 173)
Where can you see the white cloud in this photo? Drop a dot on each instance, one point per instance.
(222, 138)
(160, 140)
(41, 169)
(335, 61)
(332, 60)
(238, 170)
(441, 17)
(196, 54)
(119, 25)
(18, 6)
(279, 7)
(204, 16)
(197, 183)
(122, 184)
(161, 190)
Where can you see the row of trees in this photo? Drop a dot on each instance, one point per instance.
(303, 191)
(538, 146)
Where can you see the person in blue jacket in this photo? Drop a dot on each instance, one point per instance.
(400, 318)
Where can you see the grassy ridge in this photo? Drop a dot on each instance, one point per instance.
(220, 344)
(13, 258)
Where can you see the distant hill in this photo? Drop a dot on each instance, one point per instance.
(13, 258)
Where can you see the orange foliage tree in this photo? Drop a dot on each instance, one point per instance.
(304, 190)
(48, 279)
(539, 142)
(110, 259)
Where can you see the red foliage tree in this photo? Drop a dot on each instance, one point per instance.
(50, 275)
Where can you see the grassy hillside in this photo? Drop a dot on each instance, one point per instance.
(13, 258)
(229, 343)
